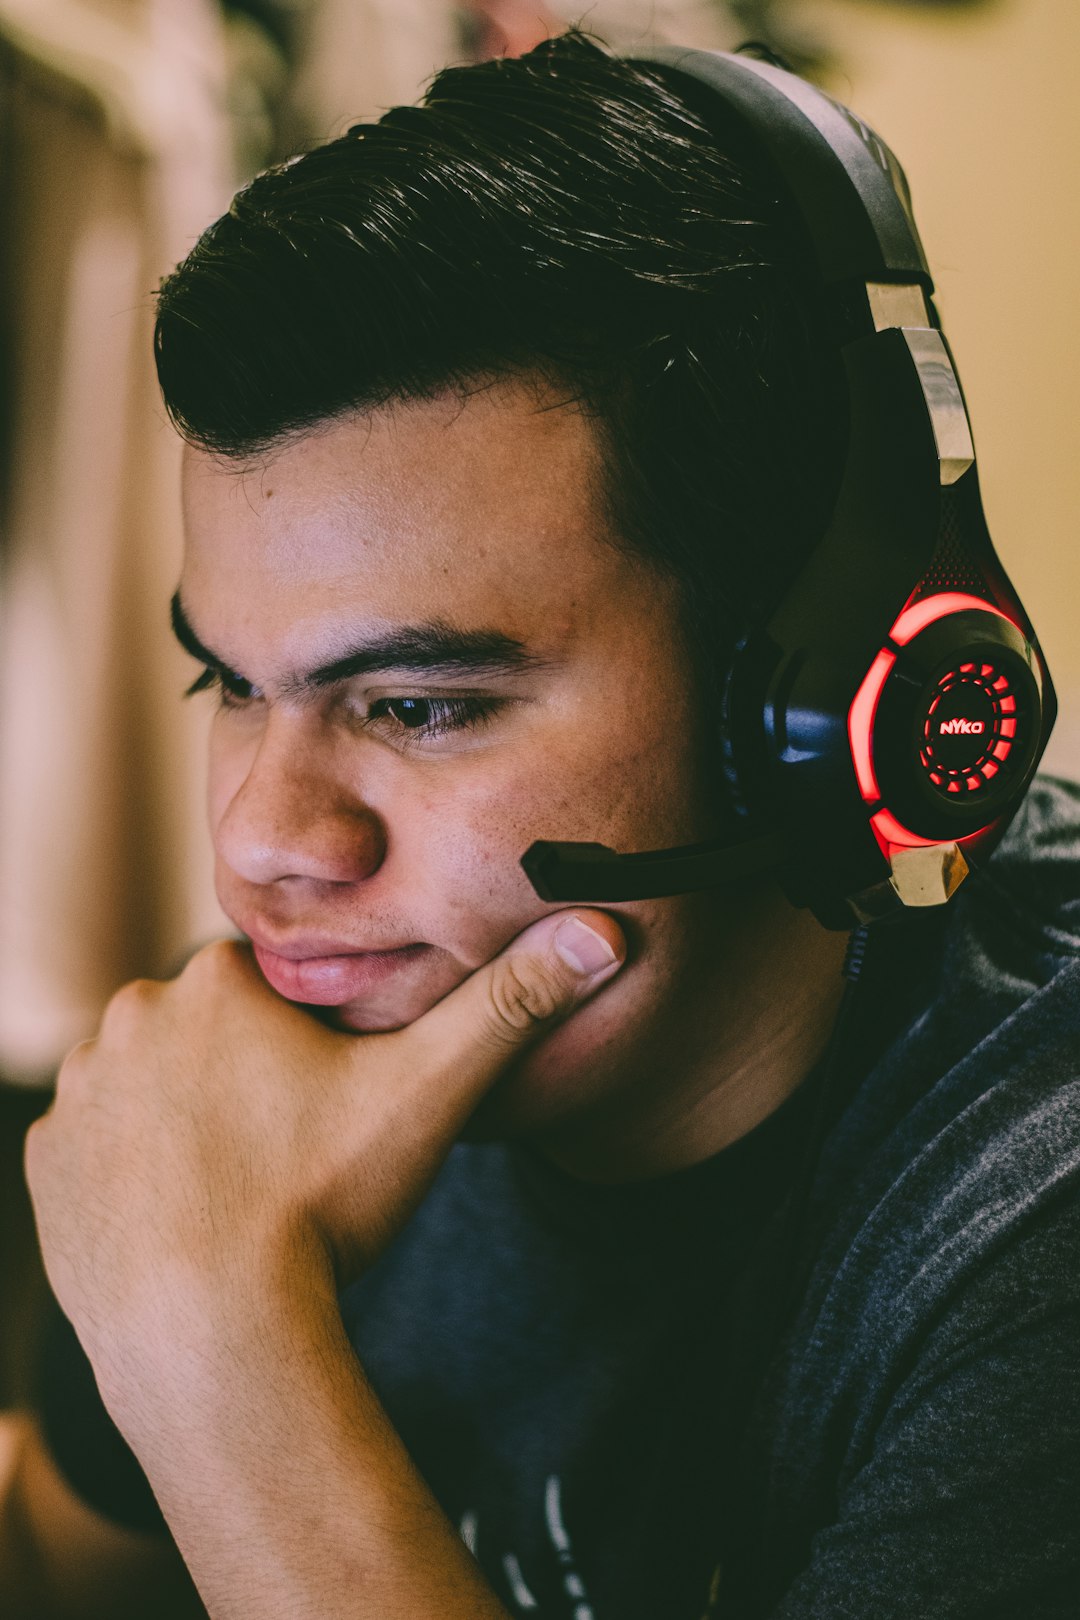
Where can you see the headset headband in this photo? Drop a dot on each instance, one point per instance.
(850, 190)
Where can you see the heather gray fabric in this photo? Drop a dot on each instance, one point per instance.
(575, 1369)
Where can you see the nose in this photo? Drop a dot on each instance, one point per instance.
(292, 813)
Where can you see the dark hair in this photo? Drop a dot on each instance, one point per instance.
(567, 214)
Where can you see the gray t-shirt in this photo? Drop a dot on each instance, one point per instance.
(582, 1374)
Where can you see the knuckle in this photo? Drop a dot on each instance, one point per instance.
(34, 1148)
(215, 960)
(523, 1000)
(127, 1004)
(76, 1077)
(136, 993)
(73, 1062)
(40, 1156)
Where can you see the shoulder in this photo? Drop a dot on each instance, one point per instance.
(993, 984)
(960, 1152)
(934, 1349)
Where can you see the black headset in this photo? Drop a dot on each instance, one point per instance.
(882, 727)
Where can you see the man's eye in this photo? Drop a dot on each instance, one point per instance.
(422, 718)
(408, 718)
(232, 690)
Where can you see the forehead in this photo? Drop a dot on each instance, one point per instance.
(482, 508)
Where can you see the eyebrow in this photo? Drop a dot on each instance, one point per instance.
(431, 648)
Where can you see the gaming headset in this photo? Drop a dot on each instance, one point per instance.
(882, 726)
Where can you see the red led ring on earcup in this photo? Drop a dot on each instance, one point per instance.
(946, 725)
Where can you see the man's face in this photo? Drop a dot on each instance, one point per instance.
(389, 807)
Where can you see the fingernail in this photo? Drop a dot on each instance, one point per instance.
(582, 947)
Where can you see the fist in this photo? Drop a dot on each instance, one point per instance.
(215, 1143)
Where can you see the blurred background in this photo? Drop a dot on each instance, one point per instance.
(125, 127)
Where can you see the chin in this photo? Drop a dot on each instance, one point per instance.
(561, 1073)
(355, 1021)
(368, 1017)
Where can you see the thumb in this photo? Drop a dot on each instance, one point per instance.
(536, 980)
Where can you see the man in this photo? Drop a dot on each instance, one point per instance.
(506, 418)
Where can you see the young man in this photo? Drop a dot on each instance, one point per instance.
(505, 419)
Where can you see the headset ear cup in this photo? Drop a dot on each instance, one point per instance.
(958, 728)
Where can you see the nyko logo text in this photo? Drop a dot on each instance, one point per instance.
(962, 728)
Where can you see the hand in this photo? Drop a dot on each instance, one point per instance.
(214, 1138)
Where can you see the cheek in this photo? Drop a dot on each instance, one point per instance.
(455, 852)
(456, 839)
(465, 851)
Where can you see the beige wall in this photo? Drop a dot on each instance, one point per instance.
(983, 112)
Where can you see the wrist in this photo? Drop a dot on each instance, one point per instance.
(281, 1476)
(181, 1348)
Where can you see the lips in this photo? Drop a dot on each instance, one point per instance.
(312, 970)
(302, 947)
(328, 981)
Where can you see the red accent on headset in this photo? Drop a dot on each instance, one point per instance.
(889, 832)
(861, 723)
(892, 834)
(914, 618)
(918, 615)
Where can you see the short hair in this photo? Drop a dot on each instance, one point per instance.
(569, 214)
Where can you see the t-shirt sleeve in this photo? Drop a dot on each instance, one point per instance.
(968, 1507)
(86, 1445)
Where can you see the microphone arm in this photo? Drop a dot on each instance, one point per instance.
(595, 873)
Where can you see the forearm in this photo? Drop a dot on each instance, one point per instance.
(287, 1489)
